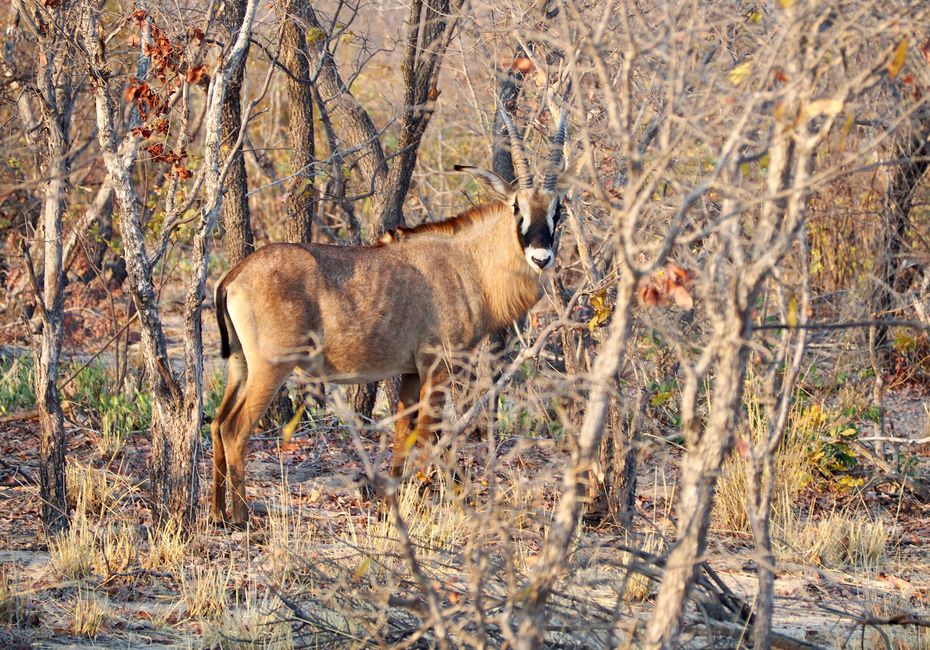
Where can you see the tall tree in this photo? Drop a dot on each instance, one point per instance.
(177, 400)
(238, 240)
(430, 26)
(301, 194)
(55, 98)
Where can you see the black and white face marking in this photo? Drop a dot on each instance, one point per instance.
(537, 217)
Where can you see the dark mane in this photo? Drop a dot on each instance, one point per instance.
(448, 227)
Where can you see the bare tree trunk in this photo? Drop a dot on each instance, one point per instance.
(50, 297)
(698, 480)
(238, 240)
(301, 192)
(551, 559)
(914, 149)
(350, 120)
(612, 482)
(430, 24)
(177, 413)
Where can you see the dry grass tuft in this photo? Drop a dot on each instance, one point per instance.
(93, 491)
(117, 549)
(638, 586)
(203, 592)
(72, 552)
(167, 547)
(112, 437)
(289, 537)
(793, 472)
(251, 623)
(837, 540)
(13, 609)
(885, 606)
(90, 613)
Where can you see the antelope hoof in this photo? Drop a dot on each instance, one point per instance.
(218, 519)
(369, 490)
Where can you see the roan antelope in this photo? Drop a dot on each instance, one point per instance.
(352, 315)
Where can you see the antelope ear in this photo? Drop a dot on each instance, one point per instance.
(569, 178)
(500, 187)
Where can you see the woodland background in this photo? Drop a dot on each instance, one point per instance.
(711, 432)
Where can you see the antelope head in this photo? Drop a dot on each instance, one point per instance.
(536, 209)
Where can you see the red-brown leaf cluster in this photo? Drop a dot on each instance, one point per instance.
(669, 285)
(196, 74)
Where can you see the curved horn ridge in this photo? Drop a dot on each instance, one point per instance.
(517, 152)
(554, 168)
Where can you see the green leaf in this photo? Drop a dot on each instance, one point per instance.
(362, 568)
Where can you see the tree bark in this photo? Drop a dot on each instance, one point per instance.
(552, 556)
(350, 120)
(50, 297)
(238, 241)
(301, 192)
(430, 24)
(913, 148)
(177, 413)
(698, 480)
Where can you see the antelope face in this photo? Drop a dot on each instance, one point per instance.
(537, 214)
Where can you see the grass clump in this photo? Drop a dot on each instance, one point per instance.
(639, 587)
(837, 540)
(203, 592)
(92, 490)
(167, 546)
(250, 623)
(13, 608)
(117, 550)
(90, 613)
(72, 551)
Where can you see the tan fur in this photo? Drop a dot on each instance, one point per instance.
(362, 314)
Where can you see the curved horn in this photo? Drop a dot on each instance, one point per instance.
(517, 152)
(554, 168)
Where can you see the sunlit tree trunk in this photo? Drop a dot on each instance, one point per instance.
(301, 192)
(53, 490)
(238, 240)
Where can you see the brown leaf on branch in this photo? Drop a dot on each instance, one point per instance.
(156, 151)
(522, 64)
(669, 285)
(195, 75)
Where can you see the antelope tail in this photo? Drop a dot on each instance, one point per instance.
(221, 318)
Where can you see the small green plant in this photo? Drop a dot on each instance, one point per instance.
(214, 393)
(118, 412)
(16, 390)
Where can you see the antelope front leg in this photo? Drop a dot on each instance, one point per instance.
(432, 399)
(407, 399)
(236, 450)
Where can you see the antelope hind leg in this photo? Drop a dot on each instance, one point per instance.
(260, 387)
(234, 381)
